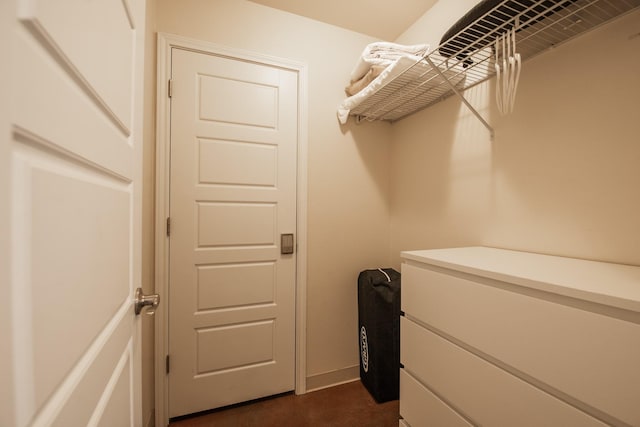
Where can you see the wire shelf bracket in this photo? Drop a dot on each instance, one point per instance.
(464, 100)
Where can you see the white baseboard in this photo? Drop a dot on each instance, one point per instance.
(332, 378)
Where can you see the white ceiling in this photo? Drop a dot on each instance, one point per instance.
(383, 19)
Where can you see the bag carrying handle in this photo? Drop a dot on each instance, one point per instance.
(382, 271)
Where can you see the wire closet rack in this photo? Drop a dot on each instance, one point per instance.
(467, 59)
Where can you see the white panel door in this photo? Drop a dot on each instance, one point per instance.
(73, 197)
(232, 193)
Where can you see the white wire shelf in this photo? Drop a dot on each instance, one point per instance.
(469, 60)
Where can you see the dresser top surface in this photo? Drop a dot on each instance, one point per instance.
(611, 284)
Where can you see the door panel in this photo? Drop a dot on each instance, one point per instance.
(254, 224)
(81, 403)
(244, 345)
(253, 284)
(237, 163)
(77, 117)
(74, 205)
(232, 193)
(76, 215)
(261, 111)
(116, 399)
(96, 39)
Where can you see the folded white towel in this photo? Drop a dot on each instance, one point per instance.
(384, 53)
(431, 84)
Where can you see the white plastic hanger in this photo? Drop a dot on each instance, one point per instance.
(498, 76)
(505, 74)
(507, 66)
(515, 77)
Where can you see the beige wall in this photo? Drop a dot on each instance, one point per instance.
(348, 171)
(430, 27)
(562, 175)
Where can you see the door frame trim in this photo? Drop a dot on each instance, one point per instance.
(166, 42)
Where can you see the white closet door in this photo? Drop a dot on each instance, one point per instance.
(233, 192)
(71, 190)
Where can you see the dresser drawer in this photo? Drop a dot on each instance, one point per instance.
(486, 394)
(586, 355)
(419, 407)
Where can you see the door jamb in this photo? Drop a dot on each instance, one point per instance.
(166, 42)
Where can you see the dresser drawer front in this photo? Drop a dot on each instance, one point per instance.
(589, 356)
(484, 393)
(419, 407)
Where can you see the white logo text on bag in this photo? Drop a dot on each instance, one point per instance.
(364, 349)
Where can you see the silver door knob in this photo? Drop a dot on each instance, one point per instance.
(142, 300)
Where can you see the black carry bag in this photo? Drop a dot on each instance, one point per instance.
(379, 332)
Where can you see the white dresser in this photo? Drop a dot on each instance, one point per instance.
(493, 337)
